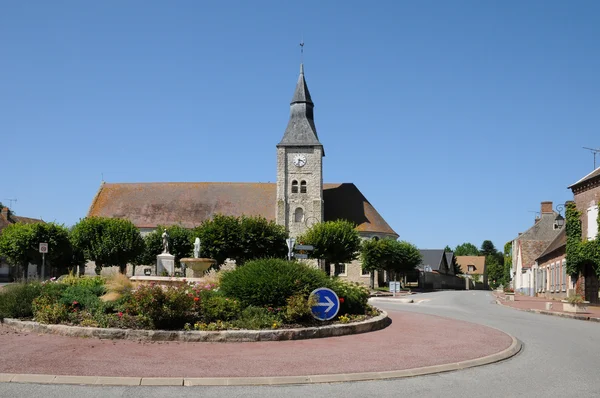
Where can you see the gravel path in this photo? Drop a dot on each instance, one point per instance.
(412, 340)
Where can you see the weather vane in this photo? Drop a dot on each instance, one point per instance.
(302, 50)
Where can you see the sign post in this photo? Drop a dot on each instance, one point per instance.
(290, 244)
(327, 306)
(43, 249)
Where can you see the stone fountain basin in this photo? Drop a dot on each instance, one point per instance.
(198, 265)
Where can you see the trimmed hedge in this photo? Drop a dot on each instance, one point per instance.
(270, 282)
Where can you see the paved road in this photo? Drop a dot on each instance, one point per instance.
(561, 357)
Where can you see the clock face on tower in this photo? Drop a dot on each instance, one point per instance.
(299, 160)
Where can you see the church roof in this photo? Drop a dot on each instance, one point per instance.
(301, 130)
(190, 203)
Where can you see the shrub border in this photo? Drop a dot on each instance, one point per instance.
(230, 336)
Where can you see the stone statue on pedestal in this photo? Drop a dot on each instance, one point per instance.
(197, 248)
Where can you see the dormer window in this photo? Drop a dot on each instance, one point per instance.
(303, 187)
(294, 186)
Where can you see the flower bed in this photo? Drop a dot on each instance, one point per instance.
(264, 294)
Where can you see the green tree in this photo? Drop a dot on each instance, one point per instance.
(108, 241)
(334, 242)
(181, 244)
(261, 238)
(16, 245)
(395, 257)
(466, 249)
(494, 270)
(19, 244)
(507, 264)
(488, 248)
(241, 238)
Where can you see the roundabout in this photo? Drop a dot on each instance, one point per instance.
(414, 344)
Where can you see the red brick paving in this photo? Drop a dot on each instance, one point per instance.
(413, 340)
(539, 303)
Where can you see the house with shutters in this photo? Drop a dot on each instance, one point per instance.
(297, 200)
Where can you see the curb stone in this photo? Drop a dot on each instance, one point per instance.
(544, 312)
(509, 352)
(379, 322)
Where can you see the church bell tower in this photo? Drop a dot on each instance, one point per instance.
(300, 166)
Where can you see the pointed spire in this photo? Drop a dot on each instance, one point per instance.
(301, 130)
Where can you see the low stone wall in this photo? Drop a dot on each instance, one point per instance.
(379, 322)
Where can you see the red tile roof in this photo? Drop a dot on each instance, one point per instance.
(189, 203)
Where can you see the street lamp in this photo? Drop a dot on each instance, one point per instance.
(559, 221)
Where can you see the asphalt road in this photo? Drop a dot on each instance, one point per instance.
(561, 357)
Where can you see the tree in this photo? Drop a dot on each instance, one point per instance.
(241, 238)
(261, 239)
(507, 264)
(494, 270)
(19, 244)
(334, 241)
(399, 257)
(181, 244)
(108, 241)
(488, 248)
(16, 242)
(466, 249)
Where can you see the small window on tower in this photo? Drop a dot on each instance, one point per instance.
(299, 215)
(303, 187)
(294, 186)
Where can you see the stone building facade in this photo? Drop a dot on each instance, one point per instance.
(297, 200)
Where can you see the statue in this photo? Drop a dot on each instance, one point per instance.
(197, 248)
(165, 242)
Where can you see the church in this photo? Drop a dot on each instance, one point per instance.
(297, 200)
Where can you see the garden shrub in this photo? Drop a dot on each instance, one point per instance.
(216, 307)
(270, 282)
(257, 318)
(298, 308)
(82, 296)
(47, 310)
(353, 296)
(16, 299)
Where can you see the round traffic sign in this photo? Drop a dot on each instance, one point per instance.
(327, 306)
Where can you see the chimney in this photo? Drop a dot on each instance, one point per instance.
(547, 207)
(4, 212)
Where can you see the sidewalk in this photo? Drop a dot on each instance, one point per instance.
(410, 345)
(538, 305)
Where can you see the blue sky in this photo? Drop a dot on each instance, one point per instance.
(455, 119)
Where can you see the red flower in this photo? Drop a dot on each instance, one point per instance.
(341, 299)
(75, 303)
(120, 315)
(196, 298)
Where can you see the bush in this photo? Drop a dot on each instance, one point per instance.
(16, 299)
(82, 296)
(257, 318)
(216, 307)
(270, 282)
(299, 308)
(47, 310)
(353, 296)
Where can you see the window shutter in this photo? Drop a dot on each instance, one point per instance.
(592, 222)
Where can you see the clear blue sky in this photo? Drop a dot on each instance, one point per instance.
(455, 119)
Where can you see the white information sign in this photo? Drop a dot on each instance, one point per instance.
(394, 287)
(43, 248)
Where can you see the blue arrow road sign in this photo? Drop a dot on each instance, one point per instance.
(328, 304)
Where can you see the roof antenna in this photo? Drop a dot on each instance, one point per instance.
(102, 176)
(594, 151)
(10, 206)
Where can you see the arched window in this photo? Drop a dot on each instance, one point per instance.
(303, 187)
(294, 186)
(299, 215)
